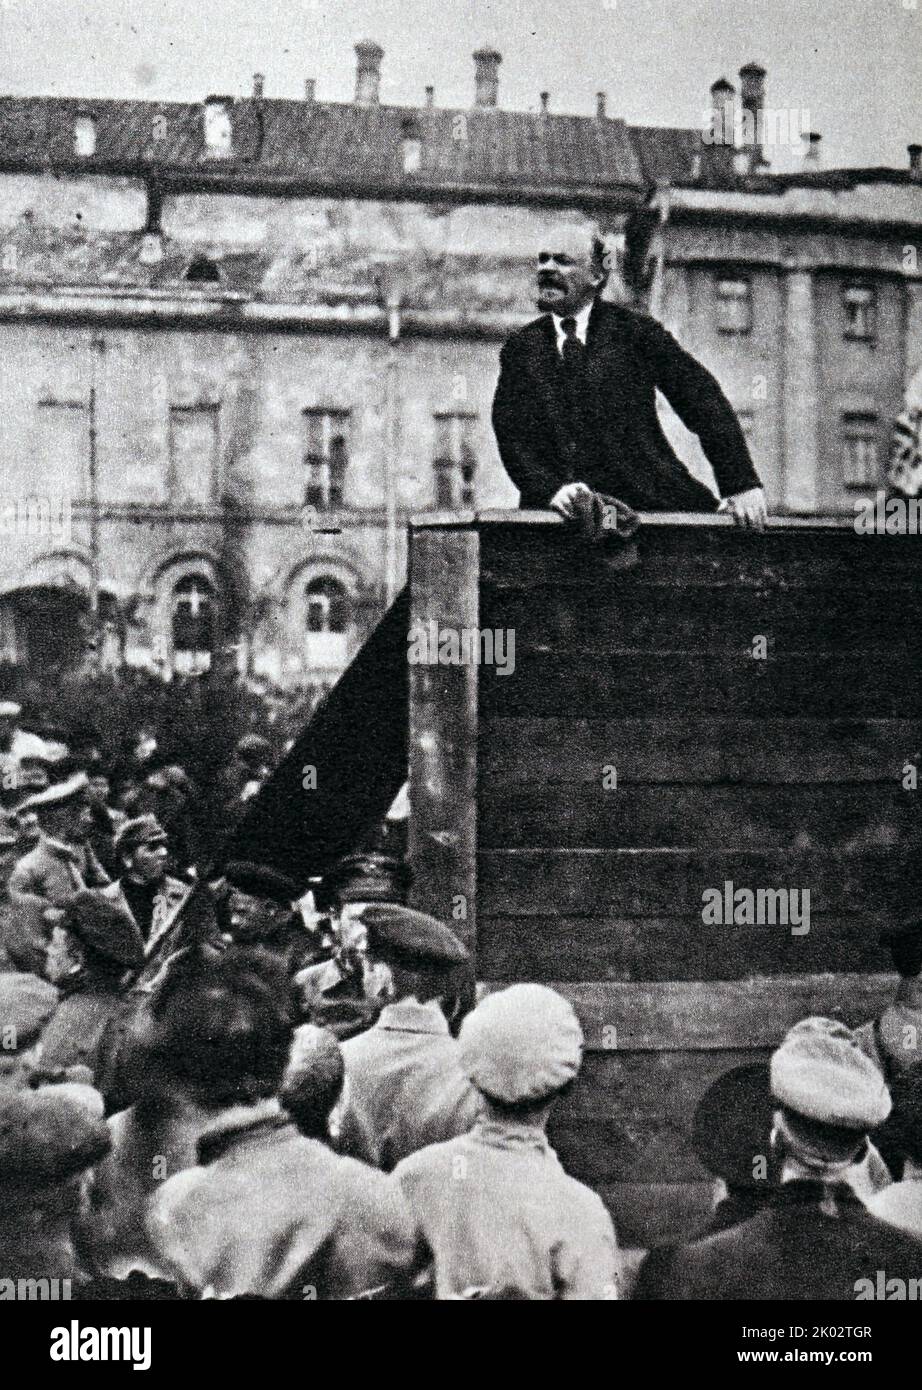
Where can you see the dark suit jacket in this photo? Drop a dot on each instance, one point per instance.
(791, 1250)
(614, 442)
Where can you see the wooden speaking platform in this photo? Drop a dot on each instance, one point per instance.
(785, 772)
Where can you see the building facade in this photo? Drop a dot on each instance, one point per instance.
(246, 340)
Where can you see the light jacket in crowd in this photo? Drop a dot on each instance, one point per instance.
(406, 1082)
(504, 1221)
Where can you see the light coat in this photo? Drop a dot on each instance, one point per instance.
(504, 1221)
(45, 878)
(406, 1083)
(278, 1215)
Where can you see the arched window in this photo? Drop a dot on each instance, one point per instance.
(193, 622)
(327, 605)
(202, 270)
(329, 626)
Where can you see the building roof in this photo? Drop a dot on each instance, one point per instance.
(327, 144)
(667, 153)
(310, 146)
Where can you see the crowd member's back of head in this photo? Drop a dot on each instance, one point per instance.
(223, 1026)
(49, 1137)
(313, 1081)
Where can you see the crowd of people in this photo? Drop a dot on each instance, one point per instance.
(214, 1084)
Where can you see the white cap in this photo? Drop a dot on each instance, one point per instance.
(521, 1044)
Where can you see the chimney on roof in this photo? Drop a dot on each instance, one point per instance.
(600, 100)
(430, 96)
(915, 160)
(368, 56)
(718, 148)
(723, 111)
(310, 88)
(486, 77)
(545, 98)
(259, 86)
(752, 99)
(812, 156)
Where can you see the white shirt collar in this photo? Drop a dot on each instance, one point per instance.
(582, 324)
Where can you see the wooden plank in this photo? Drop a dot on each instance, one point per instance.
(569, 948)
(781, 817)
(684, 557)
(626, 1018)
(649, 683)
(443, 736)
(702, 749)
(682, 620)
(640, 883)
(629, 1117)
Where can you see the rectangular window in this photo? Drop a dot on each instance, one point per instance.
(194, 455)
(860, 303)
(326, 456)
(455, 460)
(734, 305)
(860, 450)
(64, 447)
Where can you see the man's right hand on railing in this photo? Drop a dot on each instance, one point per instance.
(748, 508)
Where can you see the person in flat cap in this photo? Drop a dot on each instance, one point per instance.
(265, 1210)
(185, 921)
(815, 1239)
(731, 1132)
(405, 1076)
(49, 1139)
(47, 876)
(94, 955)
(731, 1138)
(144, 888)
(499, 1214)
(346, 991)
(258, 910)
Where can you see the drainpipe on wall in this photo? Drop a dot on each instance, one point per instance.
(392, 450)
(97, 348)
(661, 202)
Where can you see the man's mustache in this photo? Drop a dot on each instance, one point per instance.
(550, 282)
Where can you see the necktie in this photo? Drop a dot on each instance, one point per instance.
(572, 350)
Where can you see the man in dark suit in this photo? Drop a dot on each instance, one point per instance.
(575, 407)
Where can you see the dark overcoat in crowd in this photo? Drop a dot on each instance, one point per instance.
(793, 1250)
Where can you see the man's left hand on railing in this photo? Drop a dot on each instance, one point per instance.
(747, 508)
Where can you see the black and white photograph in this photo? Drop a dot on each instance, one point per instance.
(461, 665)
